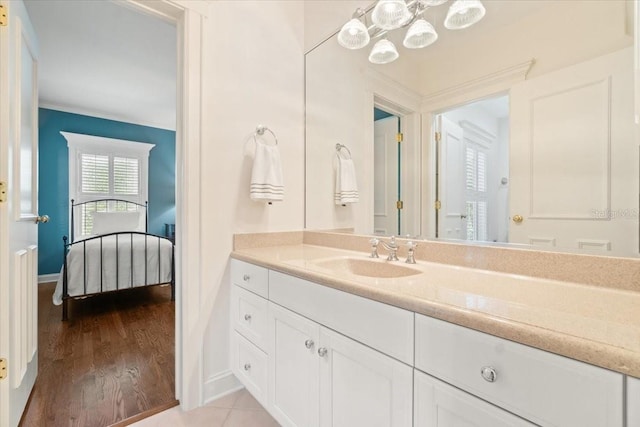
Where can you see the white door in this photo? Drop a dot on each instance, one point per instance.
(360, 386)
(438, 404)
(574, 158)
(18, 213)
(386, 178)
(293, 368)
(452, 213)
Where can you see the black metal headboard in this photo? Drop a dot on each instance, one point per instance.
(127, 203)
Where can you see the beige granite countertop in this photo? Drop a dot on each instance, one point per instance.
(594, 324)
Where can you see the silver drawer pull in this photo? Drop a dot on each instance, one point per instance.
(308, 343)
(489, 374)
(246, 277)
(322, 352)
(247, 366)
(247, 317)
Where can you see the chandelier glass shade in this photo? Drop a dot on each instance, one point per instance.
(390, 15)
(354, 35)
(420, 34)
(383, 52)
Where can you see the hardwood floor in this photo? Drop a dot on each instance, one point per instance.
(114, 358)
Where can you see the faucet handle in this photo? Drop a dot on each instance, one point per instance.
(410, 255)
(392, 241)
(374, 248)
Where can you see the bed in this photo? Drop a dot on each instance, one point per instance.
(112, 251)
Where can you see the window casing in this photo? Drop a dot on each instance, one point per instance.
(105, 168)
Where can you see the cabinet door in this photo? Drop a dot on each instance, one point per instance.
(293, 368)
(437, 404)
(360, 386)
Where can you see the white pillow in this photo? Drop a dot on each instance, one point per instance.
(114, 222)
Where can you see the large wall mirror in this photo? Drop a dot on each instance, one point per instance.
(517, 130)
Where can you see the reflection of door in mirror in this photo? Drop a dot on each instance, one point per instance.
(386, 169)
(574, 157)
(472, 170)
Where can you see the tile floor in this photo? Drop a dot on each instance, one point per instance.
(238, 409)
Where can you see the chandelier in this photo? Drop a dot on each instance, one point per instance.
(389, 15)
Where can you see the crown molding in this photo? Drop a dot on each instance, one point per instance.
(498, 81)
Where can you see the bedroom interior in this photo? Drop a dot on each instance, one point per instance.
(103, 143)
(243, 63)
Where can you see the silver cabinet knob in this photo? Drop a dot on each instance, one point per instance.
(247, 366)
(322, 352)
(489, 374)
(246, 277)
(308, 343)
(247, 317)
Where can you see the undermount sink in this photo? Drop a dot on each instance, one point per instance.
(368, 268)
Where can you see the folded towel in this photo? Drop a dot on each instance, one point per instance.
(346, 184)
(266, 176)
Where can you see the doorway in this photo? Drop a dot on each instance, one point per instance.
(472, 178)
(144, 398)
(387, 166)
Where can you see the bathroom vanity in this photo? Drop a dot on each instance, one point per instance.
(319, 345)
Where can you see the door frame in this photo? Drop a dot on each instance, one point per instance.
(189, 17)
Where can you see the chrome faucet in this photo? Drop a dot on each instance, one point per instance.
(374, 248)
(410, 253)
(392, 247)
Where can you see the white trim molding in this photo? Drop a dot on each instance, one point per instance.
(480, 87)
(48, 278)
(219, 385)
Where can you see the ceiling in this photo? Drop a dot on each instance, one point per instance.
(103, 59)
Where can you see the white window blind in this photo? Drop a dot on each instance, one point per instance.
(476, 193)
(105, 168)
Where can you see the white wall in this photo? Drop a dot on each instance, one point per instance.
(252, 73)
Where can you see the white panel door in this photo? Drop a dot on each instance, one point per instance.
(451, 180)
(437, 404)
(293, 368)
(385, 155)
(360, 386)
(574, 159)
(18, 230)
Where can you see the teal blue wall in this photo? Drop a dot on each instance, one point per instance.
(53, 181)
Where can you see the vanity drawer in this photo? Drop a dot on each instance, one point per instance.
(383, 327)
(545, 388)
(251, 277)
(249, 315)
(249, 364)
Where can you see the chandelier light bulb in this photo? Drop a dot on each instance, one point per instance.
(420, 34)
(383, 52)
(390, 14)
(353, 35)
(463, 14)
(433, 3)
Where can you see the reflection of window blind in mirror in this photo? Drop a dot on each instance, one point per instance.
(126, 175)
(481, 169)
(470, 168)
(471, 220)
(94, 174)
(481, 221)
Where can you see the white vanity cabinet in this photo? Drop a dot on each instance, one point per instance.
(633, 402)
(318, 377)
(437, 404)
(544, 388)
(293, 368)
(249, 327)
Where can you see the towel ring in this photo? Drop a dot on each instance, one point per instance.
(341, 146)
(260, 129)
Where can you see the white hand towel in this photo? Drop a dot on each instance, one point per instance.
(346, 184)
(266, 177)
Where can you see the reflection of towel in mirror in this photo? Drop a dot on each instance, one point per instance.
(266, 177)
(346, 184)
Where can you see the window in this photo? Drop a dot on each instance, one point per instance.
(105, 168)
(476, 193)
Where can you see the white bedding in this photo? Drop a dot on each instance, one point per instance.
(76, 264)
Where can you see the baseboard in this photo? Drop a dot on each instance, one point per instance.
(146, 414)
(47, 278)
(219, 385)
